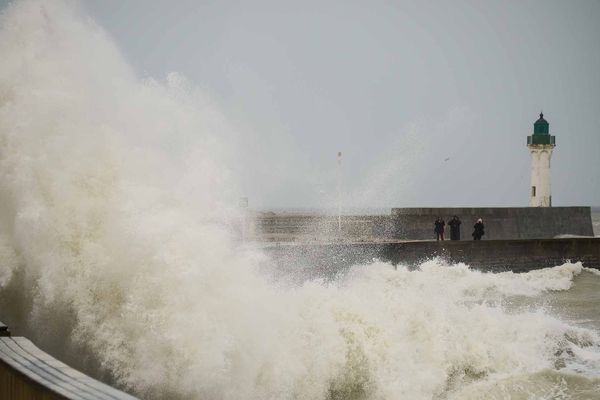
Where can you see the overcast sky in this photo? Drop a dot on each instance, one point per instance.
(429, 102)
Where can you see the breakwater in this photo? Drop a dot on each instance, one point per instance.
(500, 222)
(417, 224)
(518, 255)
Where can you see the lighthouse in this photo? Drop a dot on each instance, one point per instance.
(540, 146)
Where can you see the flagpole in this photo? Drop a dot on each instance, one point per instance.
(339, 191)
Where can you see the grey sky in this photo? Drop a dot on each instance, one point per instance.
(430, 102)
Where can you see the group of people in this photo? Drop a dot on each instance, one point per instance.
(454, 225)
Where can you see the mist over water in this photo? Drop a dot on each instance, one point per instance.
(116, 239)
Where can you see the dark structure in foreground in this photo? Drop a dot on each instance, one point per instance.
(27, 373)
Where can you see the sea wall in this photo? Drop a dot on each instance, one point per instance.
(521, 255)
(417, 224)
(500, 222)
(287, 227)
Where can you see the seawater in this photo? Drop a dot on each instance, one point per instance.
(117, 254)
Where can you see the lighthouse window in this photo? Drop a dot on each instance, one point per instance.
(533, 191)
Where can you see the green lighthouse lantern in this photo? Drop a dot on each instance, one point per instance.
(541, 133)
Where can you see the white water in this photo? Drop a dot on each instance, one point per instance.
(114, 194)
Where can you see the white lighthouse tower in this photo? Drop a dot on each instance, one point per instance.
(540, 146)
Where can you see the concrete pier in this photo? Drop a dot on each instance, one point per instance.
(492, 255)
(417, 224)
(500, 222)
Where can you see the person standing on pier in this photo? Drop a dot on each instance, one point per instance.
(479, 230)
(454, 228)
(439, 228)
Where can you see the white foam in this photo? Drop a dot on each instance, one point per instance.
(592, 271)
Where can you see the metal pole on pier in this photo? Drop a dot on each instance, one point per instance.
(339, 191)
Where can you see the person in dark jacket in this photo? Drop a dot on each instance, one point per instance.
(478, 232)
(439, 228)
(454, 228)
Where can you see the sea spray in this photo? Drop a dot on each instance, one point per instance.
(116, 224)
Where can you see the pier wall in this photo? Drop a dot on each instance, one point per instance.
(500, 223)
(417, 224)
(520, 255)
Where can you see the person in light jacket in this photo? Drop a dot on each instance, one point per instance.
(479, 230)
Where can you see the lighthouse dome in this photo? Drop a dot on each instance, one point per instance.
(541, 126)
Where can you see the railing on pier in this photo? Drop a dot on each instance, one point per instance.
(28, 373)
